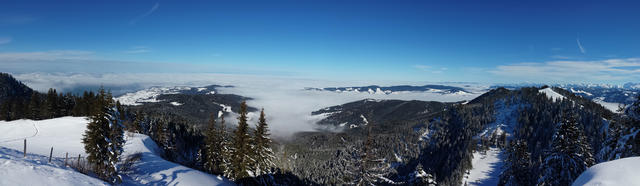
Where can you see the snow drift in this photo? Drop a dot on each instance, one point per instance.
(617, 172)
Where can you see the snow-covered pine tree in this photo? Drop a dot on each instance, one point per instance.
(103, 138)
(569, 156)
(364, 168)
(240, 153)
(420, 177)
(262, 148)
(213, 148)
(225, 152)
(116, 136)
(517, 165)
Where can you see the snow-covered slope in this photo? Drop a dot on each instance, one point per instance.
(35, 170)
(613, 107)
(551, 94)
(65, 134)
(486, 168)
(153, 170)
(617, 172)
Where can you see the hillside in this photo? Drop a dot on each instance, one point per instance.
(428, 133)
(35, 170)
(12, 89)
(65, 134)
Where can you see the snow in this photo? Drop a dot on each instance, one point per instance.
(175, 103)
(551, 94)
(153, 170)
(617, 172)
(364, 119)
(580, 92)
(148, 95)
(426, 135)
(225, 108)
(65, 135)
(613, 107)
(201, 89)
(506, 120)
(486, 168)
(36, 170)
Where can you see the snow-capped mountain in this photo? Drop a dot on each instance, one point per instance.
(631, 85)
(375, 89)
(150, 95)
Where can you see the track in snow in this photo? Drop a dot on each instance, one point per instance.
(486, 168)
(18, 139)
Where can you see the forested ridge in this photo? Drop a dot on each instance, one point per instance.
(382, 142)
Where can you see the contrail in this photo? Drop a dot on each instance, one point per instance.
(580, 46)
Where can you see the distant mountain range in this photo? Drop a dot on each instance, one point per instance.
(191, 103)
(375, 89)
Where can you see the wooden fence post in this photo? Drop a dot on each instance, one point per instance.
(25, 148)
(78, 161)
(50, 154)
(66, 156)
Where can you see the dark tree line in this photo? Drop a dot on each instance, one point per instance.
(50, 105)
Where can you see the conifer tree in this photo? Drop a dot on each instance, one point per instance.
(240, 153)
(213, 148)
(138, 123)
(517, 167)
(364, 167)
(103, 138)
(226, 147)
(262, 147)
(5, 111)
(50, 106)
(34, 106)
(570, 154)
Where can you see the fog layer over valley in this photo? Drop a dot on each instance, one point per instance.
(286, 102)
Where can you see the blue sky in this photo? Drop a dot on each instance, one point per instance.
(489, 41)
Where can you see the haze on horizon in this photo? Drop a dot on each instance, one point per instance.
(364, 41)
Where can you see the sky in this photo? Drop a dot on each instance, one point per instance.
(435, 41)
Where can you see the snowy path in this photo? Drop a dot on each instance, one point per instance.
(35, 133)
(486, 168)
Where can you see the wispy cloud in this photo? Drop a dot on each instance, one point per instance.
(5, 40)
(557, 49)
(16, 19)
(560, 57)
(148, 13)
(582, 50)
(138, 50)
(426, 68)
(45, 55)
(573, 71)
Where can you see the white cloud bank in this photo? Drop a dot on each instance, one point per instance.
(287, 105)
(609, 70)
